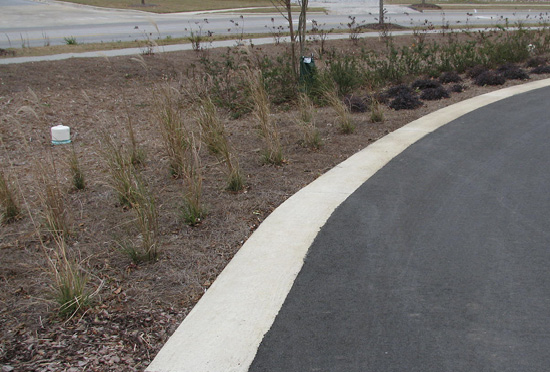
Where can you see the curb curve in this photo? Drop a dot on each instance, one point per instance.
(224, 330)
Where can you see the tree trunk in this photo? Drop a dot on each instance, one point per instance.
(302, 25)
(381, 16)
(288, 6)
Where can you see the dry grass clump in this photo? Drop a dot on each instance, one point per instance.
(193, 210)
(273, 150)
(8, 201)
(169, 115)
(376, 111)
(133, 192)
(55, 215)
(70, 287)
(215, 138)
(345, 121)
(311, 137)
(357, 104)
(75, 169)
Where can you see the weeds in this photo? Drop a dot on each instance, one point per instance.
(70, 40)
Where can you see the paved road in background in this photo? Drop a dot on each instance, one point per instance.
(439, 262)
(30, 23)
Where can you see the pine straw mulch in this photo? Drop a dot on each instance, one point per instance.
(138, 306)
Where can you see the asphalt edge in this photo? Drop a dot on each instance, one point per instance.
(224, 330)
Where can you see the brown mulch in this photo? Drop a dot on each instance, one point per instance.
(137, 307)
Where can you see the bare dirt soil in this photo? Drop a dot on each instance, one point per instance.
(137, 307)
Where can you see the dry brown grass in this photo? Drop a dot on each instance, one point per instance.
(141, 304)
(273, 151)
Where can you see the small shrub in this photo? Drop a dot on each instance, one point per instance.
(535, 62)
(356, 104)
(457, 88)
(425, 84)
(489, 78)
(541, 70)
(475, 71)
(405, 101)
(346, 73)
(450, 77)
(432, 94)
(10, 208)
(513, 72)
(398, 90)
(381, 97)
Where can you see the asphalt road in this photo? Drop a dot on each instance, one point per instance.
(29, 23)
(439, 262)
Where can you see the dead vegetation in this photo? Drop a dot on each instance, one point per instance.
(137, 303)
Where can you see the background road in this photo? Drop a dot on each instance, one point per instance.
(439, 262)
(30, 23)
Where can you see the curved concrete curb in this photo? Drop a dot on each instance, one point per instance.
(222, 333)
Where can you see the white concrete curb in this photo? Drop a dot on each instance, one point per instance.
(223, 331)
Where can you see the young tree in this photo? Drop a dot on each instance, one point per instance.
(285, 8)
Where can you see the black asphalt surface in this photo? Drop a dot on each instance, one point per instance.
(440, 262)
